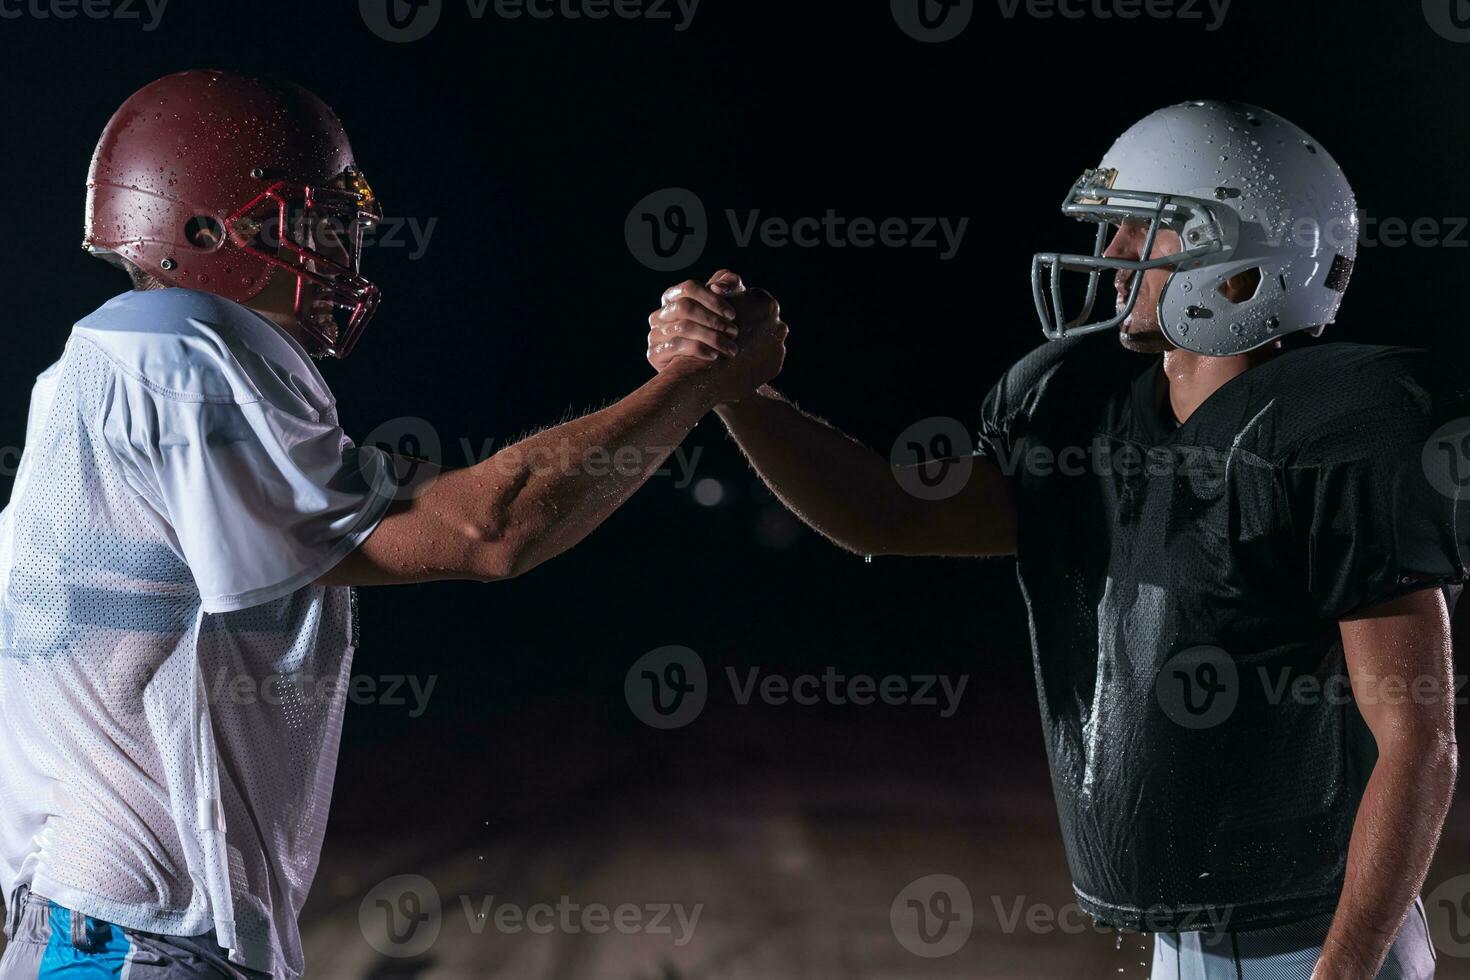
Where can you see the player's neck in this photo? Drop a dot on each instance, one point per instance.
(286, 322)
(1192, 378)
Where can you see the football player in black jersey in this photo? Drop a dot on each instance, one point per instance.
(1238, 554)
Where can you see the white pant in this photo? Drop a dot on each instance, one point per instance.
(1283, 952)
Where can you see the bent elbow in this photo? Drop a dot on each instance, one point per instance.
(496, 562)
(488, 553)
(501, 557)
(1433, 753)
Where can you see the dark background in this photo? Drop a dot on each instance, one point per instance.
(529, 141)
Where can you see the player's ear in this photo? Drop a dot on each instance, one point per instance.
(1241, 286)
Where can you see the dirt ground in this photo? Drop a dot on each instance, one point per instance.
(739, 855)
(795, 864)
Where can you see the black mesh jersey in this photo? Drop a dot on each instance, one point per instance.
(1184, 585)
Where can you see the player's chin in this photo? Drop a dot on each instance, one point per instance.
(322, 316)
(1143, 338)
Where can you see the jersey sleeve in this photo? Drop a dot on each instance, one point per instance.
(259, 499)
(1048, 371)
(992, 437)
(1378, 509)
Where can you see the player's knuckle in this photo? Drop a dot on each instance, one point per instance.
(764, 303)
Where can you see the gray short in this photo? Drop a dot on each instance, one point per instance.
(47, 941)
(1282, 953)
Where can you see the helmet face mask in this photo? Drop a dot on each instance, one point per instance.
(225, 183)
(316, 234)
(1208, 230)
(1245, 190)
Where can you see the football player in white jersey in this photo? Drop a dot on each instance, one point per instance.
(188, 519)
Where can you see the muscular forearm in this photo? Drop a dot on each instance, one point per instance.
(1397, 829)
(837, 485)
(535, 499)
(612, 453)
(849, 493)
(1400, 645)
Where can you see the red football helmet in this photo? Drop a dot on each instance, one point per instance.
(213, 181)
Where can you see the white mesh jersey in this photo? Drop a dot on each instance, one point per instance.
(172, 680)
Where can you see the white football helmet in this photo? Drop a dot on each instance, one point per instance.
(1244, 189)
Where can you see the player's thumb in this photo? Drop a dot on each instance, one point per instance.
(726, 282)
